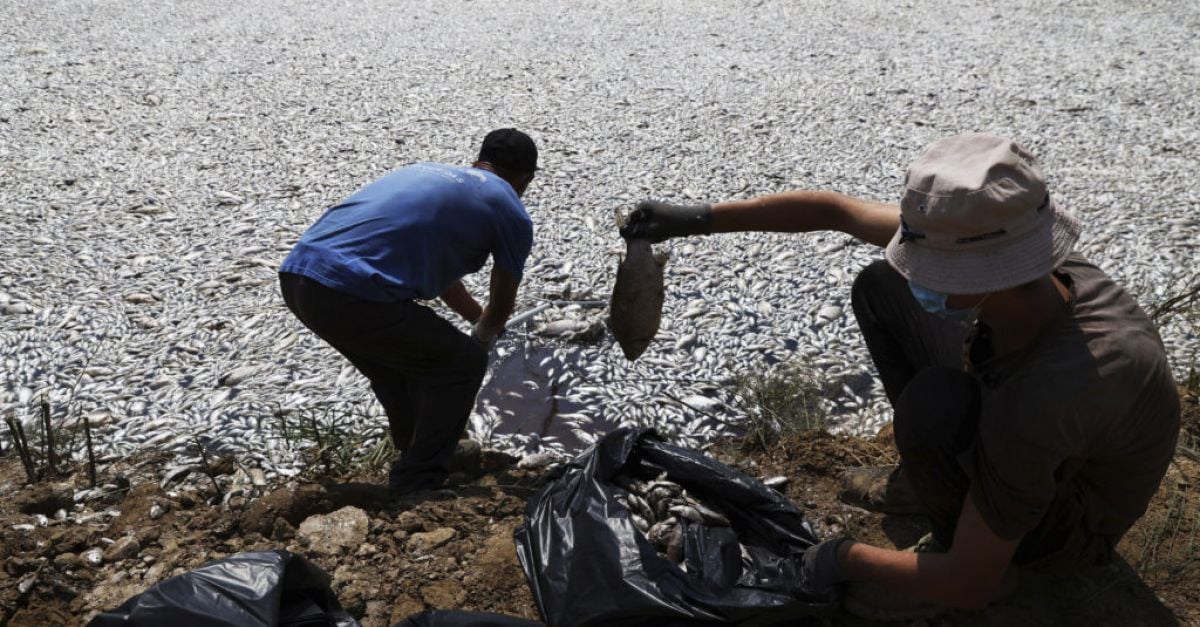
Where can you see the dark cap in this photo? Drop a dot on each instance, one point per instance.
(509, 149)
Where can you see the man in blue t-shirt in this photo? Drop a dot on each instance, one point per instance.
(355, 277)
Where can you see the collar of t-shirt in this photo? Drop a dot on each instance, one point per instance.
(979, 357)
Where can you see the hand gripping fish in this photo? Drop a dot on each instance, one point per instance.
(637, 298)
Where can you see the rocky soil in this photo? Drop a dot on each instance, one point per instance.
(453, 548)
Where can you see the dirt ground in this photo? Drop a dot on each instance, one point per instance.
(453, 549)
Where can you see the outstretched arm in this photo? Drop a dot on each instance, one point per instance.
(789, 212)
(804, 211)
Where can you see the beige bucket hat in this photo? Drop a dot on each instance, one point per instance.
(976, 217)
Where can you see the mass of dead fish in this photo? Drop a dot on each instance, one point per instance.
(657, 507)
(145, 217)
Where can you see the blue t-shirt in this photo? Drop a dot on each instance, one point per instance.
(414, 232)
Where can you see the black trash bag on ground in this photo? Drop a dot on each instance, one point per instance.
(587, 564)
(458, 618)
(263, 588)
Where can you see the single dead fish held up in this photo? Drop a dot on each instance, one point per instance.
(636, 306)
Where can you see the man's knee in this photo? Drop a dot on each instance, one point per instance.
(934, 408)
(878, 278)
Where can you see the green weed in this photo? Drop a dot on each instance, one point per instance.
(779, 401)
(333, 444)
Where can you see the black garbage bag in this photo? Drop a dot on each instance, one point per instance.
(458, 618)
(587, 564)
(266, 588)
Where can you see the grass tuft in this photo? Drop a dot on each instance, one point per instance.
(1166, 540)
(778, 402)
(334, 446)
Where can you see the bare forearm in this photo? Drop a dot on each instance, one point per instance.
(805, 211)
(502, 298)
(497, 312)
(460, 300)
(925, 576)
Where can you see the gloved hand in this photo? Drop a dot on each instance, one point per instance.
(821, 570)
(656, 221)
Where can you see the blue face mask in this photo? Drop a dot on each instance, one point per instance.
(934, 302)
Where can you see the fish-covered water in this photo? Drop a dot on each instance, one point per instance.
(158, 160)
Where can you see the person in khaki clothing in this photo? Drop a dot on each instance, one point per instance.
(1034, 409)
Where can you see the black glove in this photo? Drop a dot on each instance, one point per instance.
(820, 569)
(656, 221)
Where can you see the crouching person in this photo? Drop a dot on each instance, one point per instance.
(356, 275)
(1034, 409)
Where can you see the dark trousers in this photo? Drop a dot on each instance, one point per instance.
(936, 408)
(424, 372)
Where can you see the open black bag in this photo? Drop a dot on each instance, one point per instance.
(262, 588)
(587, 564)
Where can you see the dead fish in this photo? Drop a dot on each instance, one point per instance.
(235, 377)
(175, 474)
(675, 544)
(641, 506)
(538, 461)
(561, 327)
(687, 512)
(779, 483)
(660, 533)
(711, 516)
(636, 306)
